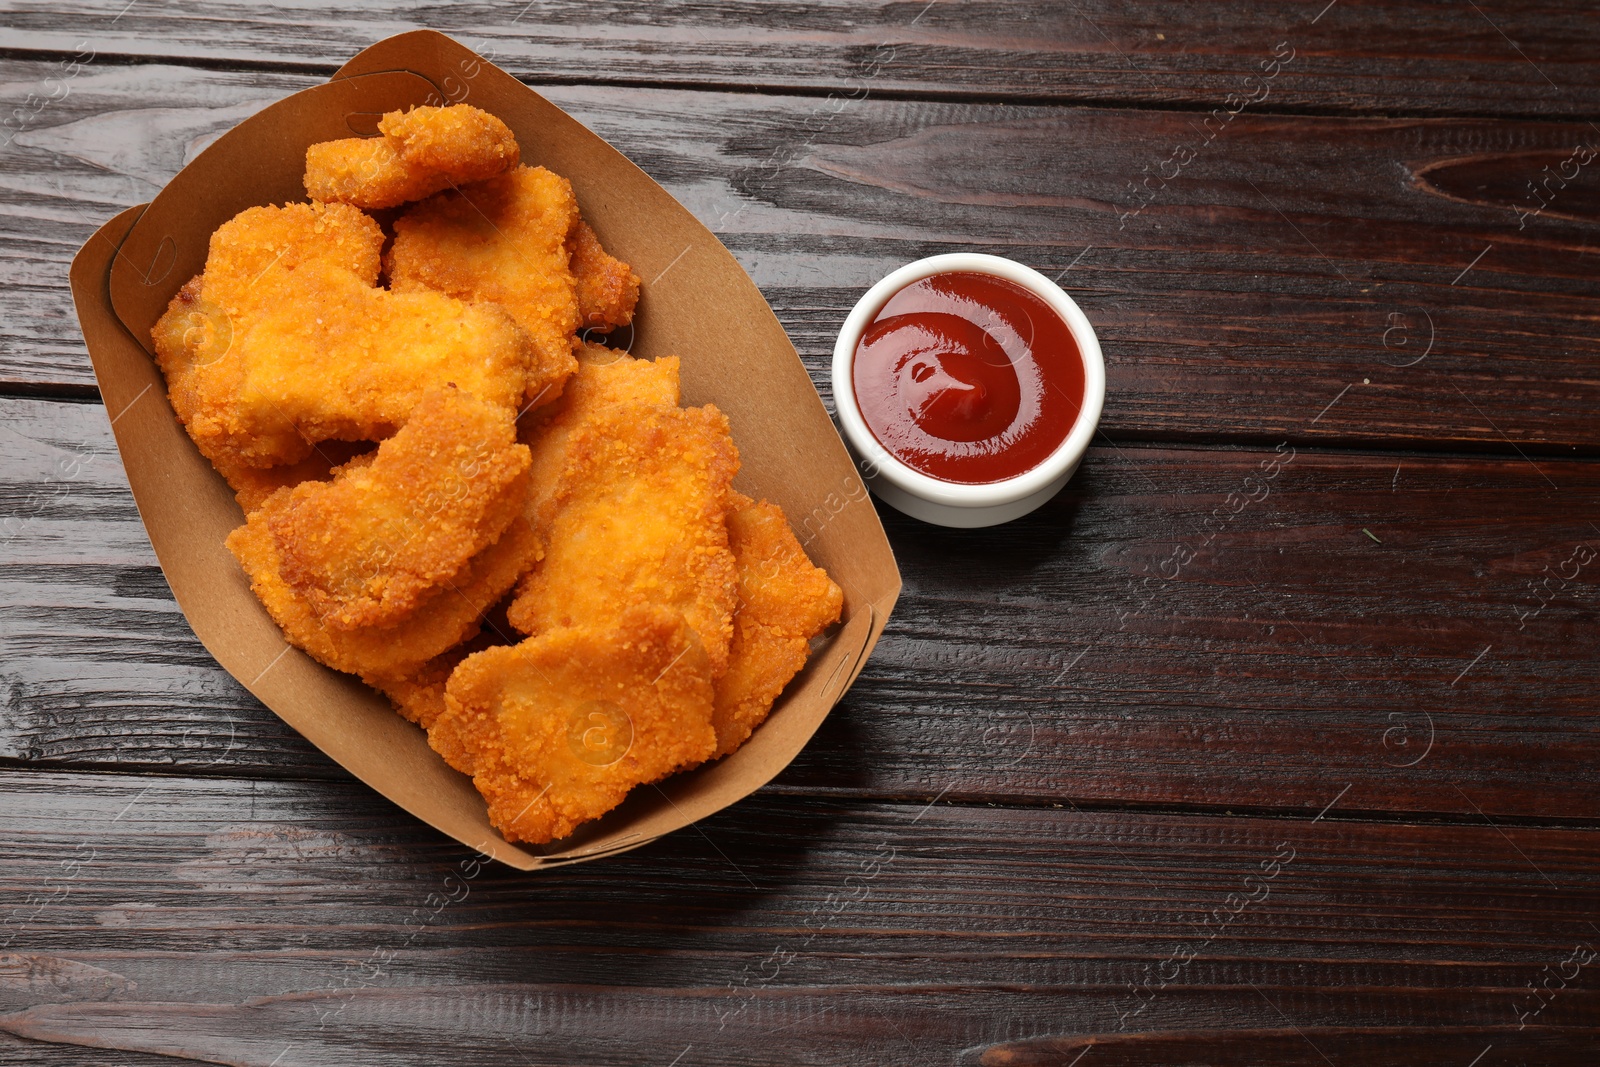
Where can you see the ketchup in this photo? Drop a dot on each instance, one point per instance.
(968, 378)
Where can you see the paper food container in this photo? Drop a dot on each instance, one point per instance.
(697, 303)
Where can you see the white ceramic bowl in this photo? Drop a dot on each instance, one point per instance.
(953, 503)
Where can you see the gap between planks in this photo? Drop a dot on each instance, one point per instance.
(1343, 812)
(935, 96)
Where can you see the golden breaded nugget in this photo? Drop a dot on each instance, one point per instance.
(366, 548)
(613, 377)
(638, 520)
(252, 255)
(503, 241)
(449, 616)
(284, 341)
(784, 601)
(606, 380)
(556, 731)
(608, 290)
(420, 152)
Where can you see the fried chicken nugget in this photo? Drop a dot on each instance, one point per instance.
(556, 731)
(383, 655)
(366, 548)
(503, 241)
(784, 601)
(606, 381)
(608, 290)
(638, 519)
(284, 341)
(421, 152)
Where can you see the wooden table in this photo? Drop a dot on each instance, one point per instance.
(1271, 741)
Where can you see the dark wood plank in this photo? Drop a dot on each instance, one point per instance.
(1376, 55)
(240, 922)
(1376, 1046)
(1406, 627)
(114, 656)
(20, 1052)
(1303, 279)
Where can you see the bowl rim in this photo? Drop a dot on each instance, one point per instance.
(875, 460)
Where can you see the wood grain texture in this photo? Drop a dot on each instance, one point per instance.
(1372, 55)
(1299, 1047)
(1216, 627)
(312, 922)
(1242, 751)
(1302, 279)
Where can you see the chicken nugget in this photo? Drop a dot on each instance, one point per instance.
(784, 601)
(252, 255)
(606, 380)
(383, 654)
(556, 730)
(420, 152)
(608, 290)
(367, 547)
(284, 341)
(503, 241)
(638, 519)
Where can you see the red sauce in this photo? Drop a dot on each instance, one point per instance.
(968, 378)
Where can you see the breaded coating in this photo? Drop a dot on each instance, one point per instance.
(366, 548)
(449, 616)
(638, 520)
(556, 730)
(419, 695)
(284, 341)
(420, 152)
(502, 241)
(251, 256)
(608, 290)
(252, 485)
(784, 601)
(607, 380)
(610, 377)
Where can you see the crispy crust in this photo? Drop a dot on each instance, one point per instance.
(608, 289)
(502, 241)
(556, 731)
(366, 548)
(638, 520)
(285, 342)
(419, 695)
(383, 654)
(784, 601)
(252, 485)
(420, 152)
(607, 381)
